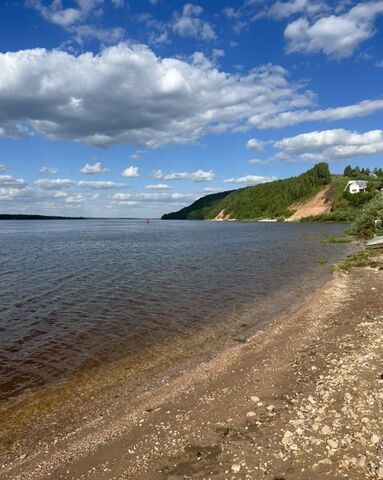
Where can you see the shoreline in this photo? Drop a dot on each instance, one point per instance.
(53, 411)
(194, 425)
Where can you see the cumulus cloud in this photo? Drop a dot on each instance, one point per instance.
(197, 176)
(154, 101)
(131, 172)
(93, 168)
(54, 183)
(189, 23)
(100, 185)
(151, 197)
(9, 181)
(11, 193)
(77, 19)
(158, 186)
(280, 10)
(336, 144)
(3, 167)
(48, 171)
(250, 179)
(334, 35)
(56, 13)
(212, 189)
(272, 119)
(76, 199)
(254, 144)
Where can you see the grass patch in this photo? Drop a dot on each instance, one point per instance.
(322, 261)
(334, 239)
(363, 258)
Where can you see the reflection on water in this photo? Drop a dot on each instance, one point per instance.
(77, 294)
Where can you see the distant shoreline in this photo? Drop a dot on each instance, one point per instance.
(10, 216)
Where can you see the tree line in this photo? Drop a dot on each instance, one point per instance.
(357, 172)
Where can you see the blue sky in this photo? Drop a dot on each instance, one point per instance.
(137, 108)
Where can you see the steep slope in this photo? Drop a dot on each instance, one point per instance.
(268, 200)
(317, 205)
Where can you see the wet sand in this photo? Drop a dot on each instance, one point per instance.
(300, 400)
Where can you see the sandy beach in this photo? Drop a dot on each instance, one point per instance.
(300, 400)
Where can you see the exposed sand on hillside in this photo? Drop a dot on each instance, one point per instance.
(301, 400)
(314, 206)
(222, 216)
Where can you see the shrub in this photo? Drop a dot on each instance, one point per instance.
(369, 221)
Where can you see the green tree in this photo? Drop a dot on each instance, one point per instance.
(348, 171)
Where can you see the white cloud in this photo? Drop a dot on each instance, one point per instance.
(274, 119)
(137, 155)
(78, 198)
(158, 186)
(3, 167)
(331, 145)
(100, 185)
(131, 172)
(250, 179)
(94, 168)
(212, 190)
(259, 161)
(154, 101)
(285, 9)
(54, 183)
(9, 194)
(197, 176)
(107, 36)
(217, 53)
(151, 197)
(59, 194)
(48, 171)
(189, 23)
(66, 17)
(255, 144)
(9, 181)
(335, 35)
(75, 19)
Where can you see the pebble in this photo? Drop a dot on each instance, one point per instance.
(332, 443)
(362, 461)
(374, 439)
(287, 437)
(326, 430)
(236, 467)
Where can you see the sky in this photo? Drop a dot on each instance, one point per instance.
(117, 108)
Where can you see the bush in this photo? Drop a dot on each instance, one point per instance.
(358, 199)
(369, 221)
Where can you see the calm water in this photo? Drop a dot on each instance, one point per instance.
(76, 294)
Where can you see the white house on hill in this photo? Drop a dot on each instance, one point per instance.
(356, 186)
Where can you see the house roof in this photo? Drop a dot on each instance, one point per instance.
(360, 183)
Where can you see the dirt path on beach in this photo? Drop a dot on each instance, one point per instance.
(301, 400)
